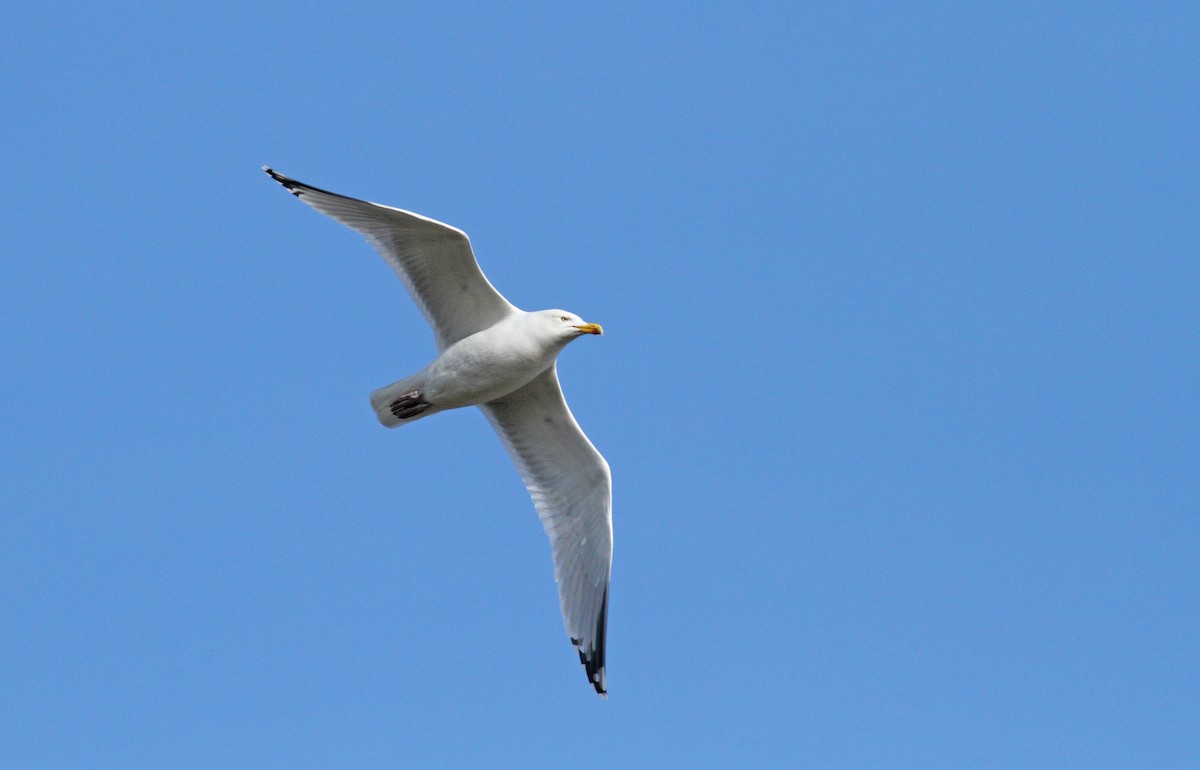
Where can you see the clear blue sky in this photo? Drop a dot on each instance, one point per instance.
(899, 385)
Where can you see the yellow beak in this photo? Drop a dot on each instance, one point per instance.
(591, 328)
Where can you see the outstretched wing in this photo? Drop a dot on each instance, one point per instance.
(433, 260)
(571, 488)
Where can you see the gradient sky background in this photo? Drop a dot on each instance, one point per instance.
(899, 385)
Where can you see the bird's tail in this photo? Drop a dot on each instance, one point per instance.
(401, 402)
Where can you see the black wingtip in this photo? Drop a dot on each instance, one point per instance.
(292, 185)
(298, 188)
(593, 660)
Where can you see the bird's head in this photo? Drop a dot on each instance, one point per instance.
(567, 326)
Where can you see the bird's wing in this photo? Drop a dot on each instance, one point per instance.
(433, 260)
(571, 488)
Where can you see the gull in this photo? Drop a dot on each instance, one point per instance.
(500, 358)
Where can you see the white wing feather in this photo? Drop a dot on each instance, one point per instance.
(433, 260)
(571, 488)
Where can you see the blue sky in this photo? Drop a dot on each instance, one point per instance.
(898, 387)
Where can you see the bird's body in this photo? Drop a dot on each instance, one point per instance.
(502, 359)
(480, 368)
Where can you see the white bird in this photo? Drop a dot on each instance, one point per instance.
(495, 356)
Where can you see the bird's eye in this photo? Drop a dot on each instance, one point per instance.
(565, 318)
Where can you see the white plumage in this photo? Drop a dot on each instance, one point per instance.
(495, 356)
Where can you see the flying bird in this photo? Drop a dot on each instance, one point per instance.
(500, 358)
